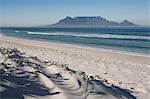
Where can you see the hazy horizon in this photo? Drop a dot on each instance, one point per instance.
(46, 12)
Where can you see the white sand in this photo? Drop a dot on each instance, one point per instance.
(124, 70)
(50, 69)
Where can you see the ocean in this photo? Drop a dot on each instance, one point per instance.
(131, 39)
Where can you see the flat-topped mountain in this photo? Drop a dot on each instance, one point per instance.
(90, 21)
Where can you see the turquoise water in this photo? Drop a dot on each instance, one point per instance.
(135, 39)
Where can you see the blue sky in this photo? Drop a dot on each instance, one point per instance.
(41, 12)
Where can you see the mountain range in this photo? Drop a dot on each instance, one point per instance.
(90, 21)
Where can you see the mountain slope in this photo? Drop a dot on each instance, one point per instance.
(127, 23)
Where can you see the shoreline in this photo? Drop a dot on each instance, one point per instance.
(137, 56)
(69, 44)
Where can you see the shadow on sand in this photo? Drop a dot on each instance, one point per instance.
(15, 87)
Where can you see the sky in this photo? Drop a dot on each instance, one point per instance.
(45, 12)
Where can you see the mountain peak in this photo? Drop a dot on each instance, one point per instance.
(127, 23)
(126, 20)
(68, 17)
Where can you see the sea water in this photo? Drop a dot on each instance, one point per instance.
(130, 39)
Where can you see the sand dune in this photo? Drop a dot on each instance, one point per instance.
(40, 72)
(48, 83)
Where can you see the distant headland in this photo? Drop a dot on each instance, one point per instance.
(91, 21)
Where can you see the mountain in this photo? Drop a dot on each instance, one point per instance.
(90, 21)
(127, 23)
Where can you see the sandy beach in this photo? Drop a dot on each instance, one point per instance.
(70, 71)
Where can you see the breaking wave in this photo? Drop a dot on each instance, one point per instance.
(113, 36)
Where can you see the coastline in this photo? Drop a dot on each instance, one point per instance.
(124, 70)
(137, 57)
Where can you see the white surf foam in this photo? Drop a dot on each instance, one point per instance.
(92, 35)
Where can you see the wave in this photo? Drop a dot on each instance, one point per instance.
(16, 31)
(113, 36)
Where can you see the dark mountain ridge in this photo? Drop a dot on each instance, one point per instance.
(90, 21)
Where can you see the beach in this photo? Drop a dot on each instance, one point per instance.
(124, 70)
